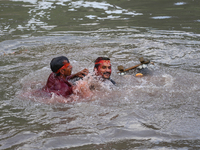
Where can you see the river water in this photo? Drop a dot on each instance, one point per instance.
(161, 111)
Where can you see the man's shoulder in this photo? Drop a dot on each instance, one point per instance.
(51, 80)
(51, 77)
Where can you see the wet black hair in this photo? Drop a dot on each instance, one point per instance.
(98, 60)
(57, 62)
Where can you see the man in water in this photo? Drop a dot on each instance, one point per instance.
(61, 73)
(102, 68)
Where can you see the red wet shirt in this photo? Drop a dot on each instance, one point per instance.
(58, 85)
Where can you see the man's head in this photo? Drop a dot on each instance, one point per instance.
(61, 66)
(103, 67)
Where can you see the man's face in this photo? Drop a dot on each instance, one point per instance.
(67, 70)
(104, 69)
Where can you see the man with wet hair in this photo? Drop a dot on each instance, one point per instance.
(61, 73)
(102, 68)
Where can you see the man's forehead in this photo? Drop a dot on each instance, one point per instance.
(105, 64)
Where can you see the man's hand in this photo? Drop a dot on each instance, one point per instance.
(82, 73)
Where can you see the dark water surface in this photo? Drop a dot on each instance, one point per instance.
(161, 111)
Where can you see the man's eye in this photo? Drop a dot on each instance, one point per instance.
(109, 67)
(103, 67)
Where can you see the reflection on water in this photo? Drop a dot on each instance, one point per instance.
(33, 18)
(44, 15)
(162, 17)
(153, 112)
(180, 3)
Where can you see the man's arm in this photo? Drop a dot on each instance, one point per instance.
(80, 74)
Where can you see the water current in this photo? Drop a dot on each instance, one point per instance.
(161, 111)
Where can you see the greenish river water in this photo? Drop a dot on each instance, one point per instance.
(161, 111)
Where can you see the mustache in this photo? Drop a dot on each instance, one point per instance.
(107, 72)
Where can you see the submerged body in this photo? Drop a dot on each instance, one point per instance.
(58, 85)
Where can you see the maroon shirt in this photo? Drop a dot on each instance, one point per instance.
(58, 85)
